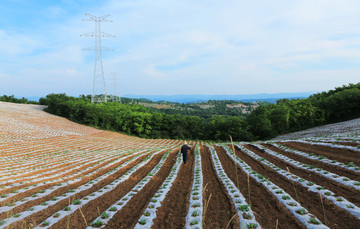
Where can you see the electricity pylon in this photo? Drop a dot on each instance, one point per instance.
(99, 91)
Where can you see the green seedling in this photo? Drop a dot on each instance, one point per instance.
(104, 215)
(314, 221)
(195, 213)
(244, 208)
(301, 211)
(285, 197)
(251, 226)
(97, 223)
(76, 202)
(142, 222)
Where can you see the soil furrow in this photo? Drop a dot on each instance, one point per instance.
(217, 204)
(335, 217)
(60, 191)
(339, 189)
(353, 144)
(174, 208)
(343, 155)
(39, 217)
(128, 216)
(331, 168)
(267, 208)
(42, 187)
(91, 210)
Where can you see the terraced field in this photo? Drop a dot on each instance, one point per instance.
(59, 174)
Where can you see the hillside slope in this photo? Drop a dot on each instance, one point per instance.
(338, 129)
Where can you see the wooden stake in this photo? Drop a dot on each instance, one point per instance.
(248, 179)
(323, 208)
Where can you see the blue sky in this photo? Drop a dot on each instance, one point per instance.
(180, 46)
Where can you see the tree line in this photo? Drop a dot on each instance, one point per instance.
(266, 122)
(12, 99)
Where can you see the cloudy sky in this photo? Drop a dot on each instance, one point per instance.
(180, 46)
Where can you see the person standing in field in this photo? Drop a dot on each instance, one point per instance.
(184, 151)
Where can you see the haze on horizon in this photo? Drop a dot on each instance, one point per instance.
(181, 46)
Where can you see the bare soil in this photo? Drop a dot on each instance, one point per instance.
(342, 155)
(335, 216)
(131, 212)
(174, 208)
(339, 189)
(329, 167)
(220, 209)
(37, 218)
(266, 207)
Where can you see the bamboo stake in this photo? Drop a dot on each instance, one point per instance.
(248, 180)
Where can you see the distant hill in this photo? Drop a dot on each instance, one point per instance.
(203, 98)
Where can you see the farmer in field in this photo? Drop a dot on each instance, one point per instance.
(184, 151)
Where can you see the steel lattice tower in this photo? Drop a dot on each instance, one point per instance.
(99, 91)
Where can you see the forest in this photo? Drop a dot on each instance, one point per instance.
(213, 107)
(265, 122)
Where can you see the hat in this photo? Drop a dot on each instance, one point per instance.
(185, 143)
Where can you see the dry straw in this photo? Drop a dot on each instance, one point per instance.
(230, 221)
(82, 214)
(206, 204)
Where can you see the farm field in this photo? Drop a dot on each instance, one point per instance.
(58, 174)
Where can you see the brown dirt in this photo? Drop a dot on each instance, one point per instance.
(174, 208)
(220, 210)
(267, 208)
(131, 212)
(339, 189)
(335, 216)
(39, 217)
(353, 144)
(329, 167)
(342, 155)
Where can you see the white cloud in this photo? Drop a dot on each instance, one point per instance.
(225, 46)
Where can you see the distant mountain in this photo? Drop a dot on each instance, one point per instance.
(203, 98)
